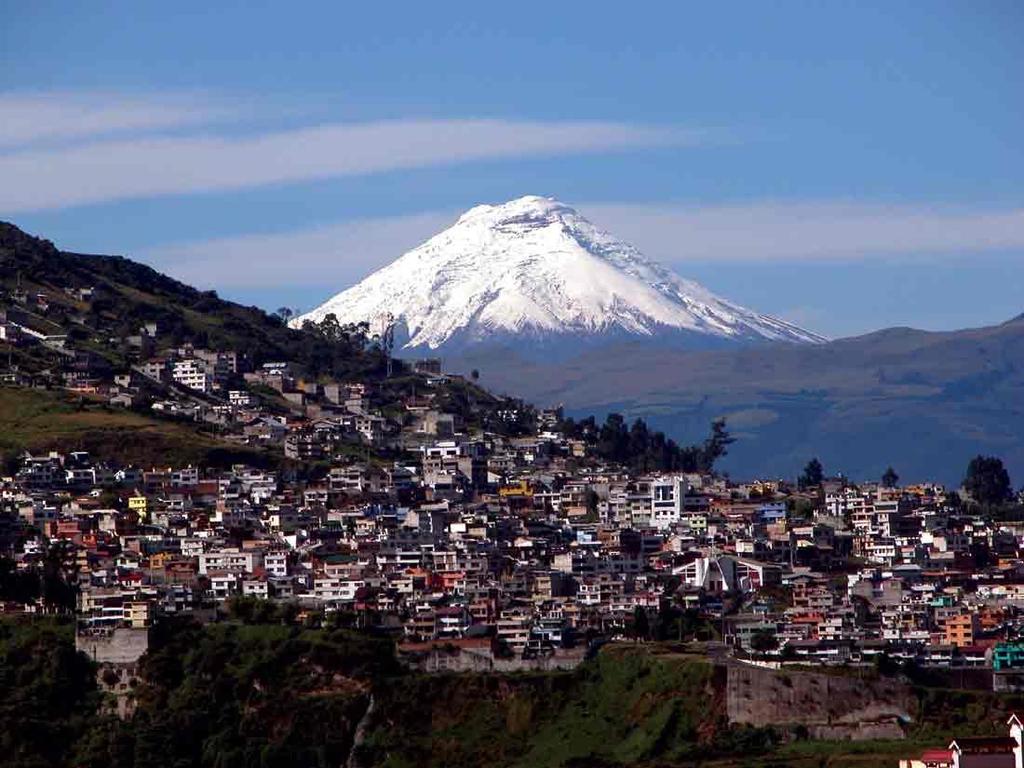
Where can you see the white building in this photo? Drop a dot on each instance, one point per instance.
(192, 373)
(667, 501)
(230, 559)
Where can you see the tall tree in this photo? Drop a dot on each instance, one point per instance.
(813, 474)
(716, 446)
(764, 640)
(613, 438)
(641, 624)
(987, 481)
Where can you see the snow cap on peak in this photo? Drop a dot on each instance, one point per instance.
(532, 206)
(533, 268)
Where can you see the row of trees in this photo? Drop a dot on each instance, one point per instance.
(645, 450)
(354, 335)
(814, 474)
(671, 622)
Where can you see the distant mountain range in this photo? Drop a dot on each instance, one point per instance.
(535, 274)
(924, 402)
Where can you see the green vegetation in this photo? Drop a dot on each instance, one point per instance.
(260, 692)
(46, 585)
(812, 475)
(944, 711)
(987, 481)
(626, 707)
(36, 421)
(48, 695)
(764, 640)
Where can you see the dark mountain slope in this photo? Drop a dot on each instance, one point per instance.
(129, 294)
(923, 401)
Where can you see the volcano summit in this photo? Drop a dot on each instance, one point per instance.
(535, 272)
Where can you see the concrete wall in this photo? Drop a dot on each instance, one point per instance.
(1010, 681)
(118, 646)
(829, 706)
(481, 660)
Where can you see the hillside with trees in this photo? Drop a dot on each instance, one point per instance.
(105, 299)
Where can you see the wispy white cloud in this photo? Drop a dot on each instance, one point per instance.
(330, 256)
(31, 118)
(808, 231)
(337, 255)
(109, 170)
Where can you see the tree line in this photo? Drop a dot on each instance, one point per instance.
(642, 449)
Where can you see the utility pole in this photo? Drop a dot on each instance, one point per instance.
(387, 340)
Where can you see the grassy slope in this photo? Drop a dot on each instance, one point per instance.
(39, 421)
(626, 708)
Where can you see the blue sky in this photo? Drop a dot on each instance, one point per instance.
(844, 165)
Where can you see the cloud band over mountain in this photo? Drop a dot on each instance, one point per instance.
(102, 170)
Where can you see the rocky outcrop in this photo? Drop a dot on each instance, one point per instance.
(829, 706)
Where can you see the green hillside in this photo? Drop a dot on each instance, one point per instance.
(40, 421)
(624, 708)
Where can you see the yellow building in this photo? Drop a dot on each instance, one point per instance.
(519, 489)
(137, 504)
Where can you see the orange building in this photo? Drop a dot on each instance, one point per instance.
(959, 630)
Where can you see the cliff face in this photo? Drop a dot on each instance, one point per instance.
(827, 706)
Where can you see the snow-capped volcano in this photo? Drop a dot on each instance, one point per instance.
(535, 269)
